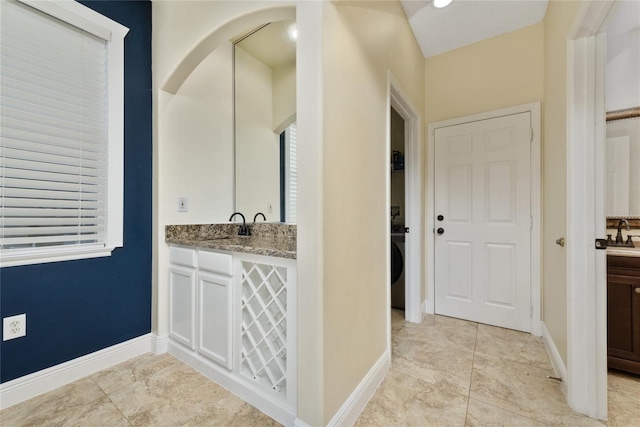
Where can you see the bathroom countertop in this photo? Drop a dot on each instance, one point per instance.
(276, 240)
(622, 251)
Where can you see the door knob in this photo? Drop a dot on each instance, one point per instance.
(440, 230)
(440, 217)
(637, 290)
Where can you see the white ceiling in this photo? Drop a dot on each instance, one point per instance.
(271, 45)
(464, 22)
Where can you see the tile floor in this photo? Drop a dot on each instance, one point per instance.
(446, 372)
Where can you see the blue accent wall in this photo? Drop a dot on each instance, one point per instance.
(78, 307)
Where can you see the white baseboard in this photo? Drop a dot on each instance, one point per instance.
(558, 365)
(159, 344)
(355, 404)
(32, 385)
(427, 307)
(299, 423)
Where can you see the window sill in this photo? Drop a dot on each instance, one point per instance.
(13, 258)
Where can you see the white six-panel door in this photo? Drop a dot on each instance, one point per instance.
(483, 221)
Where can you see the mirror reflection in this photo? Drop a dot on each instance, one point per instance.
(265, 116)
(622, 165)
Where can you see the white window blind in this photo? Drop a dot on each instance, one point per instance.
(53, 131)
(291, 184)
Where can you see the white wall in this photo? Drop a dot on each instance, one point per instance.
(284, 95)
(629, 128)
(194, 160)
(257, 146)
(622, 85)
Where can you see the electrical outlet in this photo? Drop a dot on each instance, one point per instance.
(14, 327)
(183, 204)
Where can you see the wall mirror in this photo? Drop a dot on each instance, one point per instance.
(265, 122)
(623, 164)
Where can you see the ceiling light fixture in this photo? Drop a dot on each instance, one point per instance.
(441, 3)
(293, 32)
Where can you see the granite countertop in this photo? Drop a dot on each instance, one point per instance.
(269, 239)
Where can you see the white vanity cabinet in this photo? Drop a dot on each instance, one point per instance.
(182, 296)
(214, 311)
(233, 317)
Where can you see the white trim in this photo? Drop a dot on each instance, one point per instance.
(586, 275)
(398, 99)
(80, 16)
(556, 360)
(423, 310)
(299, 423)
(536, 203)
(15, 257)
(32, 385)
(159, 344)
(357, 401)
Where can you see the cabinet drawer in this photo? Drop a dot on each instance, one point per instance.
(215, 262)
(182, 256)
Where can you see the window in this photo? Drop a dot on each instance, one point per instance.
(289, 175)
(61, 132)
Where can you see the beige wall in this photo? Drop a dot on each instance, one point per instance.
(500, 72)
(362, 40)
(558, 20)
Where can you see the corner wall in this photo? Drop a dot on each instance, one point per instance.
(362, 41)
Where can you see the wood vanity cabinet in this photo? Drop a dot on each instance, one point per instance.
(623, 313)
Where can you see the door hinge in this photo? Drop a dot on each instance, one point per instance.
(530, 310)
(530, 222)
(530, 134)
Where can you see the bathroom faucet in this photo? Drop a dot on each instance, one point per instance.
(393, 218)
(244, 228)
(264, 218)
(619, 239)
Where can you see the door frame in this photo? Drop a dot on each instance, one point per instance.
(401, 102)
(536, 212)
(586, 267)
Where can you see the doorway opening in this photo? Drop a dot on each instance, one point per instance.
(398, 252)
(407, 223)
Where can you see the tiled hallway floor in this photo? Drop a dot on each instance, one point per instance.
(450, 372)
(445, 372)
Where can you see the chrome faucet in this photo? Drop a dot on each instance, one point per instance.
(619, 239)
(244, 228)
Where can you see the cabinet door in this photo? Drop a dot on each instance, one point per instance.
(215, 318)
(182, 304)
(623, 315)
